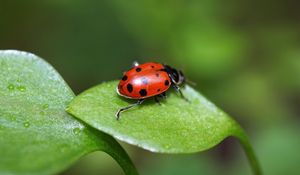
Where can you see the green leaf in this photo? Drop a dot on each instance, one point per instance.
(175, 126)
(37, 136)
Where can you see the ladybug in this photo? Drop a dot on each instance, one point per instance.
(148, 80)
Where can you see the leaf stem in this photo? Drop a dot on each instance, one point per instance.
(125, 163)
(244, 141)
(120, 155)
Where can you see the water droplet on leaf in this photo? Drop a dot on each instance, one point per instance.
(11, 87)
(21, 88)
(76, 131)
(13, 118)
(167, 146)
(26, 124)
(45, 106)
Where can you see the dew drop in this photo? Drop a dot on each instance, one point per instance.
(21, 88)
(13, 118)
(45, 106)
(10, 87)
(26, 124)
(167, 146)
(76, 131)
(68, 108)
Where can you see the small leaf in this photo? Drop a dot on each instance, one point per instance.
(175, 126)
(37, 136)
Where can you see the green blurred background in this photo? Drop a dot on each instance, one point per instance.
(244, 55)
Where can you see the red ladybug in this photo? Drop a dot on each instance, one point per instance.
(148, 80)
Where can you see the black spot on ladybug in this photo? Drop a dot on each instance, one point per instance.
(167, 82)
(129, 87)
(145, 80)
(124, 78)
(158, 90)
(138, 69)
(143, 92)
(157, 74)
(152, 66)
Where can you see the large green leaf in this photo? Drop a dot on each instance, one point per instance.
(176, 126)
(37, 136)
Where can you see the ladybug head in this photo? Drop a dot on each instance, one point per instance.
(176, 76)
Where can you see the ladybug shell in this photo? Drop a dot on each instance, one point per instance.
(143, 81)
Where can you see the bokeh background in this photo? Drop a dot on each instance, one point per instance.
(244, 55)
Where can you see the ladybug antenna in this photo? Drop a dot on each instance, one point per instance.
(189, 82)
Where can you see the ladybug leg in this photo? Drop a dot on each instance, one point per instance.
(177, 88)
(157, 100)
(163, 95)
(128, 107)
